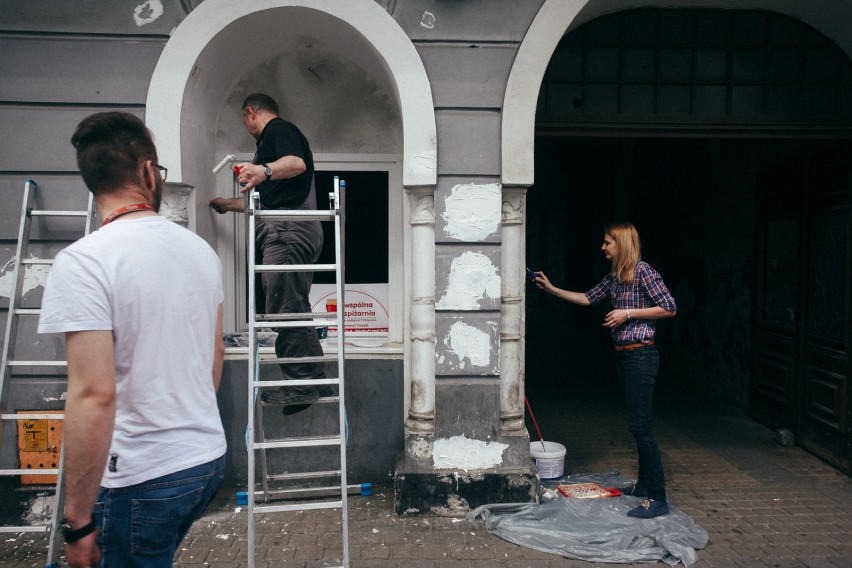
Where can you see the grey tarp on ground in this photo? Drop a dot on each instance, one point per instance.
(596, 530)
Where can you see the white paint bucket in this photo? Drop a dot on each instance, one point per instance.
(549, 460)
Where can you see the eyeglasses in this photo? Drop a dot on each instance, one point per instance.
(163, 170)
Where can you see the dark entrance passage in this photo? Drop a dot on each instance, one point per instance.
(733, 232)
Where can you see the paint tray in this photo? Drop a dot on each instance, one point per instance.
(586, 490)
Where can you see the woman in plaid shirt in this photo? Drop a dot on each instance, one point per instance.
(639, 298)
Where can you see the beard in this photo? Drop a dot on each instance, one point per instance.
(157, 197)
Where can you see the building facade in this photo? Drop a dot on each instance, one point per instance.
(486, 136)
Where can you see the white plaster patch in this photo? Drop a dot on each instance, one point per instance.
(147, 12)
(472, 211)
(468, 342)
(35, 276)
(460, 452)
(428, 20)
(472, 277)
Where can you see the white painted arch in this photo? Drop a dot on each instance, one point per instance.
(220, 38)
(557, 17)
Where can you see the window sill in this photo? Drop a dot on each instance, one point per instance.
(356, 348)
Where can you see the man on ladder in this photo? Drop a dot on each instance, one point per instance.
(140, 304)
(282, 171)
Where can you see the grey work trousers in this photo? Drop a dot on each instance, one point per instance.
(291, 242)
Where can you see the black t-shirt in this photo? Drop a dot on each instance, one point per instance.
(281, 138)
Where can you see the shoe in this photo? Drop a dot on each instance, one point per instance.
(288, 397)
(649, 509)
(634, 490)
(325, 391)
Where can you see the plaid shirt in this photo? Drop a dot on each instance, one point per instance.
(646, 291)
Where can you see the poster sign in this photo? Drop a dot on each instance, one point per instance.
(365, 311)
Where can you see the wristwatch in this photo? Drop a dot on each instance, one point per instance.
(73, 535)
(268, 171)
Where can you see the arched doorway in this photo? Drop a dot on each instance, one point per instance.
(725, 136)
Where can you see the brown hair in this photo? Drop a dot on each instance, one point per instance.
(628, 250)
(110, 146)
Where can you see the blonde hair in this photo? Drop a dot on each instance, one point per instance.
(627, 252)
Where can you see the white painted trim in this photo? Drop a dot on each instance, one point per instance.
(207, 24)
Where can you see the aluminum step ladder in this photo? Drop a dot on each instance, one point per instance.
(10, 362)
(262, 497)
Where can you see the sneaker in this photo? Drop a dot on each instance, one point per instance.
(649, 509)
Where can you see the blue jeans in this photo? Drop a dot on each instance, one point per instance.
(637, 372)
(141, 526)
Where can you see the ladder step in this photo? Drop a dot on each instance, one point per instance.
(26, 529)
(321, 400)
(298, 507)
(37, 261)
(32, 416)
(307, 442)
(303, 475)
(297, 360)
(295, 214)
(29, 472)
(295, 268)
(295, 324)
(37, 363)
(290, 317)
(296, 383)
(28, 311)
(45, 213)
(300, 492)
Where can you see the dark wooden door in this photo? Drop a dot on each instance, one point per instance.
(801, 341)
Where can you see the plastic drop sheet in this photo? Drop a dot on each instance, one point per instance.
(596, 530)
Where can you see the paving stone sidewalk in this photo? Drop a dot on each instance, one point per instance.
(763, 504)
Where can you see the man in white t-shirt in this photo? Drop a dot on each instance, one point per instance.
(140, 304)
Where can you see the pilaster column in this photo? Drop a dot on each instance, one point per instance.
(421, 413)
(512, 311)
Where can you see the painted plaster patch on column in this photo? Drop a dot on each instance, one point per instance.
(147, 12)
(428, 20)
(467, 342)
(472, 277)
(34, 277)
(460, 452)
(472, 211)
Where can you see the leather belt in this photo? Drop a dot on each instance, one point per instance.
(632, 346)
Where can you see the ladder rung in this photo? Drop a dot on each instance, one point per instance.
(300, 214)
(37, 261)
(37, 363)
(295, 268)
(321, 400)
(28, 311)
(297, 360)
(294, 324)
(45, 213)
(29, 472)
(26, 529)
(291, 317)
(303, 475)
(307, 442)
(306, 491)
(296, 383)
(298, 507)
(32, 416)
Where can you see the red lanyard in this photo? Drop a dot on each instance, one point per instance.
(128, 209)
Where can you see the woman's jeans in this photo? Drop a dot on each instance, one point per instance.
(637, 372)
(141, 526)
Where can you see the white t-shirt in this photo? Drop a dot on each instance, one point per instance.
(157, 286)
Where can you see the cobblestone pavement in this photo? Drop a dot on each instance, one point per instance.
(763, 504)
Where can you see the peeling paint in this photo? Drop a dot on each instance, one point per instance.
(472, 277)
(420, 449)
(35, 276)
(463, 453)
(147, 12)
(428, 20)
(468, 342)
(473, 211)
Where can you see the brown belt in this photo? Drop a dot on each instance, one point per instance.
(632, 346)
